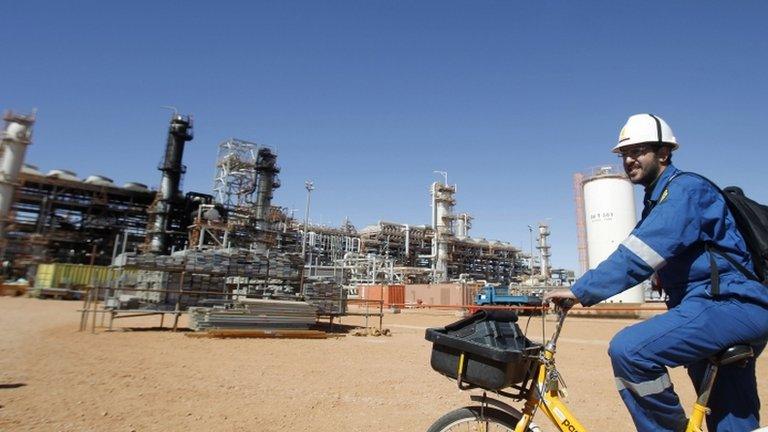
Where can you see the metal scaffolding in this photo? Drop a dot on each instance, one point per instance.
(60, 220)
(235, 181)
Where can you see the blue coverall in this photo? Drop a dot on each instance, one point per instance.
(670, 241)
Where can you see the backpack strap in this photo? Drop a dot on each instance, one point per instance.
(711, 247)
(714, 273)
(716, 249)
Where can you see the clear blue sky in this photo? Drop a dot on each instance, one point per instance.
(368, 97)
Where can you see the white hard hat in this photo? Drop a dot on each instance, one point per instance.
(645, 129)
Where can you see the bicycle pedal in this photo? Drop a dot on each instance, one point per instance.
(562, 392)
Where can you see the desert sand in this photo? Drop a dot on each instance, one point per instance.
(141, 378)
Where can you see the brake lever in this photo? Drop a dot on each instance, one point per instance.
(564, 305)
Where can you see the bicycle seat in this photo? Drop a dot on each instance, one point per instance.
(734, 354)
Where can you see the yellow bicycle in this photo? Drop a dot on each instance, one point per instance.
(525, 371)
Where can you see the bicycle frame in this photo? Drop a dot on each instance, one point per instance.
(545, 394)
(542, 388)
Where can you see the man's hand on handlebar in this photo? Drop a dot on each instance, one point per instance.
(562, 298)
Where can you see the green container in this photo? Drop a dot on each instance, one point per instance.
(60, 275)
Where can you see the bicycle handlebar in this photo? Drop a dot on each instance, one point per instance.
(565, 303)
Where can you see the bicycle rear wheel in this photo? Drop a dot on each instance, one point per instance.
(474, 418)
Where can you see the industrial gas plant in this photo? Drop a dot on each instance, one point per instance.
(132, 248)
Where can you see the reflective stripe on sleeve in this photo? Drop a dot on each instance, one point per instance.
(645, 388)
(642, 250)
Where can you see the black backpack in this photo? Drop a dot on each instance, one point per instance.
(752, 221)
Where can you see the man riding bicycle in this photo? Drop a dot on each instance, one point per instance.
(683, 218)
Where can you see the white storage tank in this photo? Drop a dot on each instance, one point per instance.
(63, 174)
(99, 180)
(31, 170)
(507, 246)
(136, 187)
(610, 215)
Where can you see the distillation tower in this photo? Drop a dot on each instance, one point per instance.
(266, 182)
(443, 201)
(13, 147)
(168, 199)
(544, 250)
(463, 225)
(246, 177)
(235, 181)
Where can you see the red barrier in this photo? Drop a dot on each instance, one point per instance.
(609, 307)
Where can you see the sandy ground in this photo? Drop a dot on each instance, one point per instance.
(53, 378)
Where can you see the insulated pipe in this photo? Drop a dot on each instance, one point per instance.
(407, 229)
(14, 141)
(114, 248)
(125, 242)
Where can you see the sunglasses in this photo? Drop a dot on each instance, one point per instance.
(634, 152)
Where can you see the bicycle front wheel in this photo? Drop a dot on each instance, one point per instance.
(474, 418)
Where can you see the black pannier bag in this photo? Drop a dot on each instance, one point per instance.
(486, 350)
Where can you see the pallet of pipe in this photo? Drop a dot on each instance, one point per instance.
(259, 334)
